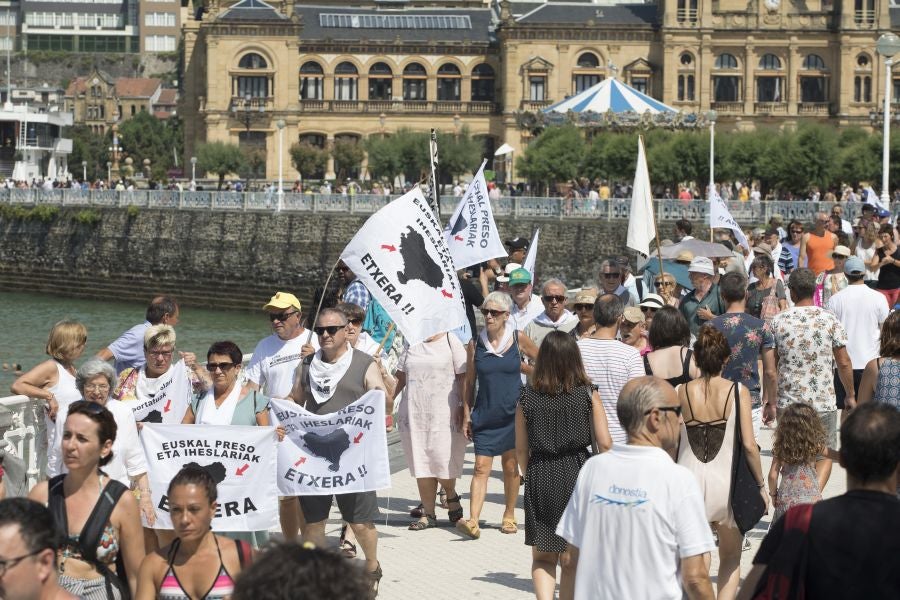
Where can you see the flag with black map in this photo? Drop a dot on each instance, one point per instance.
(401, 257)
(472, 234)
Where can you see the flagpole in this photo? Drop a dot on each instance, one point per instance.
(433, 159)
(653, 216)
(321, 298)
(386, 336)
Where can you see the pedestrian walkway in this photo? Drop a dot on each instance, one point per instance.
(441, 564)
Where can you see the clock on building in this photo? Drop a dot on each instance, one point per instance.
(772, 5)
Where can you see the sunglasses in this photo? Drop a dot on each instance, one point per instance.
(660, 282)
(355, 321)
(559, 299)
(331, 329)
(584, 307)
(492, 312)
(225, 367)
(674, 409)
(647, 309)
(611, 275)
(282, 316)
(796, 231)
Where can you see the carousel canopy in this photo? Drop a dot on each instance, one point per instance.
(610, 95)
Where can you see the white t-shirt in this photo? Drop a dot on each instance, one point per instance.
(274, 362)
(609, 365)
(634, 514)
(866, 255)
(521, 318)
(861, 310)
(128, 455)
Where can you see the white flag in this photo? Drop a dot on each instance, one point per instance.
(337, 453)
(401, 257)
(641, 228)
(241, 460)
(720, 217)
(874, 199)
(471, 234)
(531, 257)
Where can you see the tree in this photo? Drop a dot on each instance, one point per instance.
(384, 158)
(405, 152)
(88, 147)
(144, 136)
(459, 154)
(254, 166)
(309, 160)
(219, 158)
(348, 155)
(554, 156)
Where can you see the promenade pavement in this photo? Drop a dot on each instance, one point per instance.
(441, 564)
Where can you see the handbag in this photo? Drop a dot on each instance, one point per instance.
(769, 306)
(785, 576)
(747, 504)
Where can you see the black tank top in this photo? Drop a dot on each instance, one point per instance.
(685, 369)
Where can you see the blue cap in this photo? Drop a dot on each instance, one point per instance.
(883, 212)
(854, 266)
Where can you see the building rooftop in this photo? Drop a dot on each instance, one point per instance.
(250, 10)
(579, 12)
(137, 87)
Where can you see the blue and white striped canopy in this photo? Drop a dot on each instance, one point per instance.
(610, 94)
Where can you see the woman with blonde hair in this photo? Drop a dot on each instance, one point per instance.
(54, 380)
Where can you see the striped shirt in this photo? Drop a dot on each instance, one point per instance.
(610, 364)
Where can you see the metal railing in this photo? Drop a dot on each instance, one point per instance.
(615, 209)
(23, 425)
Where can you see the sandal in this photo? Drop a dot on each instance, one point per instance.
(418, 512)
(457, 513)
(509, 526)
(429, 522)
(442, 497)
(469, 528)
(376, 576)
(346, 547)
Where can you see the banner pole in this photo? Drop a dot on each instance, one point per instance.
(433, 159)
(322, 297)
(386, 336)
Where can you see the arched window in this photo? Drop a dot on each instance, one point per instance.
(448, 80)
(380, 79)
(687, 81)
(483, 83)
(253, 61)
(770, 62)
(863, 62)
(414, 82)
(686, 59)
(312, 81)
(726, 61)
(346, 82)
(588, 60)
(813, 62)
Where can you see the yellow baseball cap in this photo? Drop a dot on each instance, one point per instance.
(282, 300)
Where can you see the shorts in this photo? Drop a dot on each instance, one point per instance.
(359, 507)
(829, 421)
(839, 391)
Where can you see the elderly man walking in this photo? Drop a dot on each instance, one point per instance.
(526, 305)
(703, 302)
(555, 316)
(817, 245)
(636, 523)
(611, 278)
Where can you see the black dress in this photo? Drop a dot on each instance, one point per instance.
(559, 433)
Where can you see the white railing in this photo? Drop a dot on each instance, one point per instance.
(23, 425)
(615, 209)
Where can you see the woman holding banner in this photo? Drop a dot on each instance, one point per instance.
(431, 376)
(198, 563)
(489, 418)
(228, 402)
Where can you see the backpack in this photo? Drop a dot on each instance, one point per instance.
(92, 530)
(769, 306)
(785, 576)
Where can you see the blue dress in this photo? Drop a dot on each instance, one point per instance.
(494, 415)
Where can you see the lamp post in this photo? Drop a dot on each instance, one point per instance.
(887, 45)
(247, 115)
(115, 149)
(711, 117)
(109, 173)
(280, 125)
(194, 168)
(83, 171)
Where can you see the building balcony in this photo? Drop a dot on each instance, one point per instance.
(728, 108)
(814, 108)
(397, 106)
(535, 105)
(770, 108)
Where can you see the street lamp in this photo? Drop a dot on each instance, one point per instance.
(280, 125)
(115, 149)
(887, 45)
(83, 171)
(247, 116)
(193, 168)
(711, 117)
(109, 173)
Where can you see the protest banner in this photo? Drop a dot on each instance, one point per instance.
(641, 222)
(531, 256)
(720, 217)
(472, 234)
(337, 453)
(170, 400)
(400, 255)
(241, 460)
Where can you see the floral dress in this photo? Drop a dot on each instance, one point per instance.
(799, 485)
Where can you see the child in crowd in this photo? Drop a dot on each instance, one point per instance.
(799, 440)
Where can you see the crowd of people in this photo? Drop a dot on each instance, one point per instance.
(634, 423)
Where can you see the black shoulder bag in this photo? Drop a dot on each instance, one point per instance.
(92, 530)
(747, 505)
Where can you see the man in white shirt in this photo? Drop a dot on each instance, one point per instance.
(610, 280)
(636, 523)
(861, 310)
(526, 306)
(271, 370)
(555, 316)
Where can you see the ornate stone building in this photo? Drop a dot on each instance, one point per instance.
(327, 72)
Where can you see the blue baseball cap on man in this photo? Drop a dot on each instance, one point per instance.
(854, 266)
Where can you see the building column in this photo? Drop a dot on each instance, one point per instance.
(749, 82)
(329, 166)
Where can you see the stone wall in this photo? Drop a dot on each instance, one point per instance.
(232, 259)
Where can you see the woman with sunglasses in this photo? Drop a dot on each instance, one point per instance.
(583, 306)
(708, 409)
(229, 402)
(102, 547)
(792, 241)
(489, 417)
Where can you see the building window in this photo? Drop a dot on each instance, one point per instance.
(641, 84)
(726, 61)
(895, 96)
(448, 83)
(346, 82)
(255, 87)
(483, 83)
(159, 19)
(312, 81)
(380, 79)
(253, 61)
(133, 111)
(814, 86)
(726, 88)
(862, 88)
(769, 89)
(770, 62)
(587, 72)
(686, 86)
(537, 86)
(864, 12)
(687, 11)
(414, 82)
(159, 43)
(863, 61)
(686, 59)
